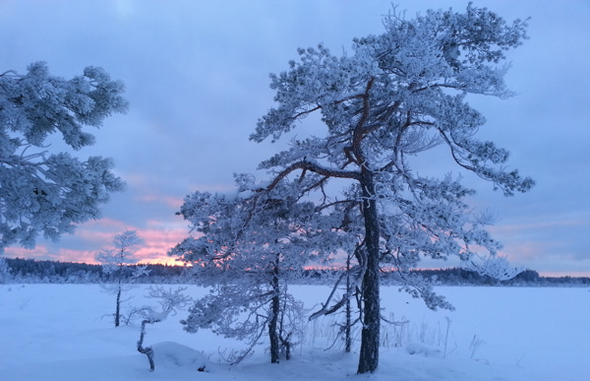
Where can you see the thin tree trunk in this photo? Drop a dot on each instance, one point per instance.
(274, 319)
(118, 307)
(119, 291)
(369, 354)
(285, 340)
(347, 328)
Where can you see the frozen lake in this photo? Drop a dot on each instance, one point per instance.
(62, 332)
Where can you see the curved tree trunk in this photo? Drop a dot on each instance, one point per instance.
(148, 351)
(369, 354)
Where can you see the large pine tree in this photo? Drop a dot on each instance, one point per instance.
(394, 96)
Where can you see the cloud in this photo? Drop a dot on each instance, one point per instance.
(547, 246)
(158, 240)
(170, 201)
(39, 252)
(196, 76)
(45, 253)
(83, 256)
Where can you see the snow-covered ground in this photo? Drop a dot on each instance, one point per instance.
(60, 332)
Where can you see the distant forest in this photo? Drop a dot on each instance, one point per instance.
(18, 270)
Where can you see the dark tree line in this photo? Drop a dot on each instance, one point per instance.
(30, 270)
(34, 271)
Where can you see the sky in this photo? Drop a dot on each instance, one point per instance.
(197, 80)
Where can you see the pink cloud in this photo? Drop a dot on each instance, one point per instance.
(173, 202)
(92, 236)
(39, 252)
(42, 253)
(101, 230)
(147, 198)
(82, 256)
(158, 240)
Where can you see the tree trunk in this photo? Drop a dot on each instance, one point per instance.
(148, 351)
(347, 327)
(369, 355)
(274, 319)
(118, 307)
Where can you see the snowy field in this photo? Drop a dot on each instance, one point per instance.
(60, 332)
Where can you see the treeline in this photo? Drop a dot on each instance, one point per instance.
(19, 270)
(459, 276)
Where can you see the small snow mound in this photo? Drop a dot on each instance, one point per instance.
(416, 348)
(177, 355)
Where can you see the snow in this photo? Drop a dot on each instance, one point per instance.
(64, 332)
(175, 355)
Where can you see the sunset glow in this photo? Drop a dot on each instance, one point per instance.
(197, 88)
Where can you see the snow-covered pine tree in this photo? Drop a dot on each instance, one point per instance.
(395, 95)
(248, 247)
(43, 192)
(5, 275)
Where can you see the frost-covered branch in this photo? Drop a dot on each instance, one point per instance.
(313, 167)
(494, 266)
(43, 193)
(170, 301)
(354, 275)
